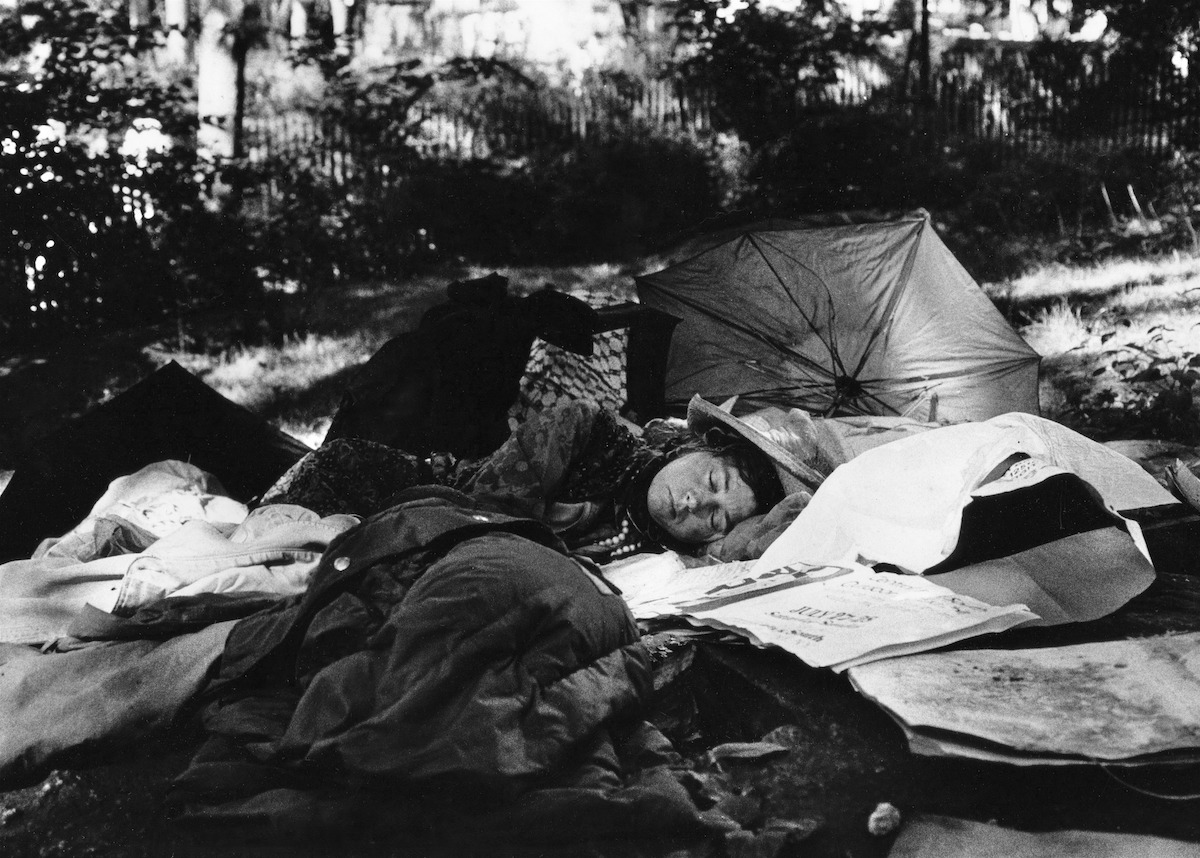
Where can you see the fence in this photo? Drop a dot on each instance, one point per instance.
(1056, 105)
(1052, 105)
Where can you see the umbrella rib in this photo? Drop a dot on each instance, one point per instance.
(834, 351)
(757, 335)
(869, 395)
(784, 394)
(835, 359)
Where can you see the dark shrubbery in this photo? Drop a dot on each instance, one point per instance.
(999, 209)
(102, 232)
(90, 192)
(626, 195)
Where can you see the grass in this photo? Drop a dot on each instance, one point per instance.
(1104, 330)
(1084, 320)
(296, 383)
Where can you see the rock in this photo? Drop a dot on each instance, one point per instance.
(746, 810)
(884, 819)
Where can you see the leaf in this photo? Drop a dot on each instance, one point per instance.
(1185, 377)
(746, 751)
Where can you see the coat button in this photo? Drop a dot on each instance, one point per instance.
(341, 564)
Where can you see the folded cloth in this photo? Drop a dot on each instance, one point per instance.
(171, 414)
(272, 550)
(156, 499)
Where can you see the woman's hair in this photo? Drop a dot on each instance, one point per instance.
(754, 466)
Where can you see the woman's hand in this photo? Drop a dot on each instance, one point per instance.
(750, 538)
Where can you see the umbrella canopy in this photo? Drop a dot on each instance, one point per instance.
(876, 318)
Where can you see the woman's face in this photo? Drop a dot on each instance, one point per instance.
(698, 497)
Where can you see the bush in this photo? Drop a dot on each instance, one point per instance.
(849, 159)
(619, 197)
(999, 210)
(604, 199)
(96, 154)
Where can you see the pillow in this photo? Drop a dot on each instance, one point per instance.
(554, 374)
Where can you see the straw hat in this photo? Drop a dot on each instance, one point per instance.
(782, 436)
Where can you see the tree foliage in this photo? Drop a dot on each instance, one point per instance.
(95, 150)
(758, 61)
(1148, 26)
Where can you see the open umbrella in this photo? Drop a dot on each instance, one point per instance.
(875, 318)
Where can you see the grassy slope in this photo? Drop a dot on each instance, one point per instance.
(1076, 317)
(1098, 327)
(295, 384)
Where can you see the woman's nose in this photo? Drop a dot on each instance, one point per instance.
(693, 502)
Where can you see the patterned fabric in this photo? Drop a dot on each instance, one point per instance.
(573, 453)
(554, 375)
(356, 476)
(613, 457)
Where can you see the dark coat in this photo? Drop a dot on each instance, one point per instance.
(439, 644)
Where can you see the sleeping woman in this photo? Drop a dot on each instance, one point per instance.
(605, 491)
(454, 642)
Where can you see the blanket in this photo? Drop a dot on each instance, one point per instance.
(98, 699)
(449, 654)
(165, 530)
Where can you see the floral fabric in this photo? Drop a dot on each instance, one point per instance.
(575, 453)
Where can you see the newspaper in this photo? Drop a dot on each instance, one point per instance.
(827, 616)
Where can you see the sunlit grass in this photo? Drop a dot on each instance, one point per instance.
(287, 383)
(297, 383)
(1095, 280)
(1056, 329)
(1097, 325)
(1079, 318)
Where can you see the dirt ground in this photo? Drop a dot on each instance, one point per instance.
(844, 759)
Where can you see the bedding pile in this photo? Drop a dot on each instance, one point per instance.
(443, 669)
(442, 650)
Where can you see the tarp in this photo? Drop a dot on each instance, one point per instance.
(874, 318)
(170, 414)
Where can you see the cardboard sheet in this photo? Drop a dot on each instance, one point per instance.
(930, 836)
(1060, 581)
(1112, 700)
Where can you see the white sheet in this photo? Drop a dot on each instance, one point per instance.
(902, 503)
